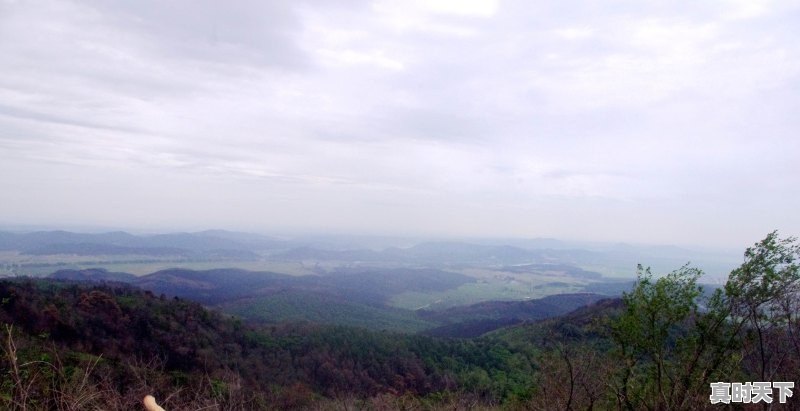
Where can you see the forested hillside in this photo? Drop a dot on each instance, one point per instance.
(116, 343)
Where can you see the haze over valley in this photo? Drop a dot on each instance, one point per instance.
(489, 205)
(381, 283)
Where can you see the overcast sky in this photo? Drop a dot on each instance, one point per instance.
(639, 121)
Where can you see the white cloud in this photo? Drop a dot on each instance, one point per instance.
(444, 117)
(352, 57)
(472, 8)
(574, 33)
(746, 9)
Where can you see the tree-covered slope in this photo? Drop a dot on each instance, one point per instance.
(477, 319)
(298, 305)
(130, 342)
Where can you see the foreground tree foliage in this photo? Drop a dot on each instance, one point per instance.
(764, 297)
(671, 348)
(670, 339)
(68, 346)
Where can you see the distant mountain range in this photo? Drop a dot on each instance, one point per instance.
(220, 245)
(215, 244)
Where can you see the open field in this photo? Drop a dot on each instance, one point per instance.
(484, 290)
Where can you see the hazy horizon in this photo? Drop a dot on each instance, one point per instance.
(643, 123)
(379, 241)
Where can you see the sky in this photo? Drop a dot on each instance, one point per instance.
(641, 121)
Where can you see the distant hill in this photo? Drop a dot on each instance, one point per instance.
(93, 275)
(588, 324)
(430, 254)
(545, 252)
(213, 286)
(86, 249)
(549, 306)
(206, 244)
(27, 241)
(477, 319)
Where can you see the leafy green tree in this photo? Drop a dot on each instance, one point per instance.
(764, 296)
(647, 331)
(672, 341)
